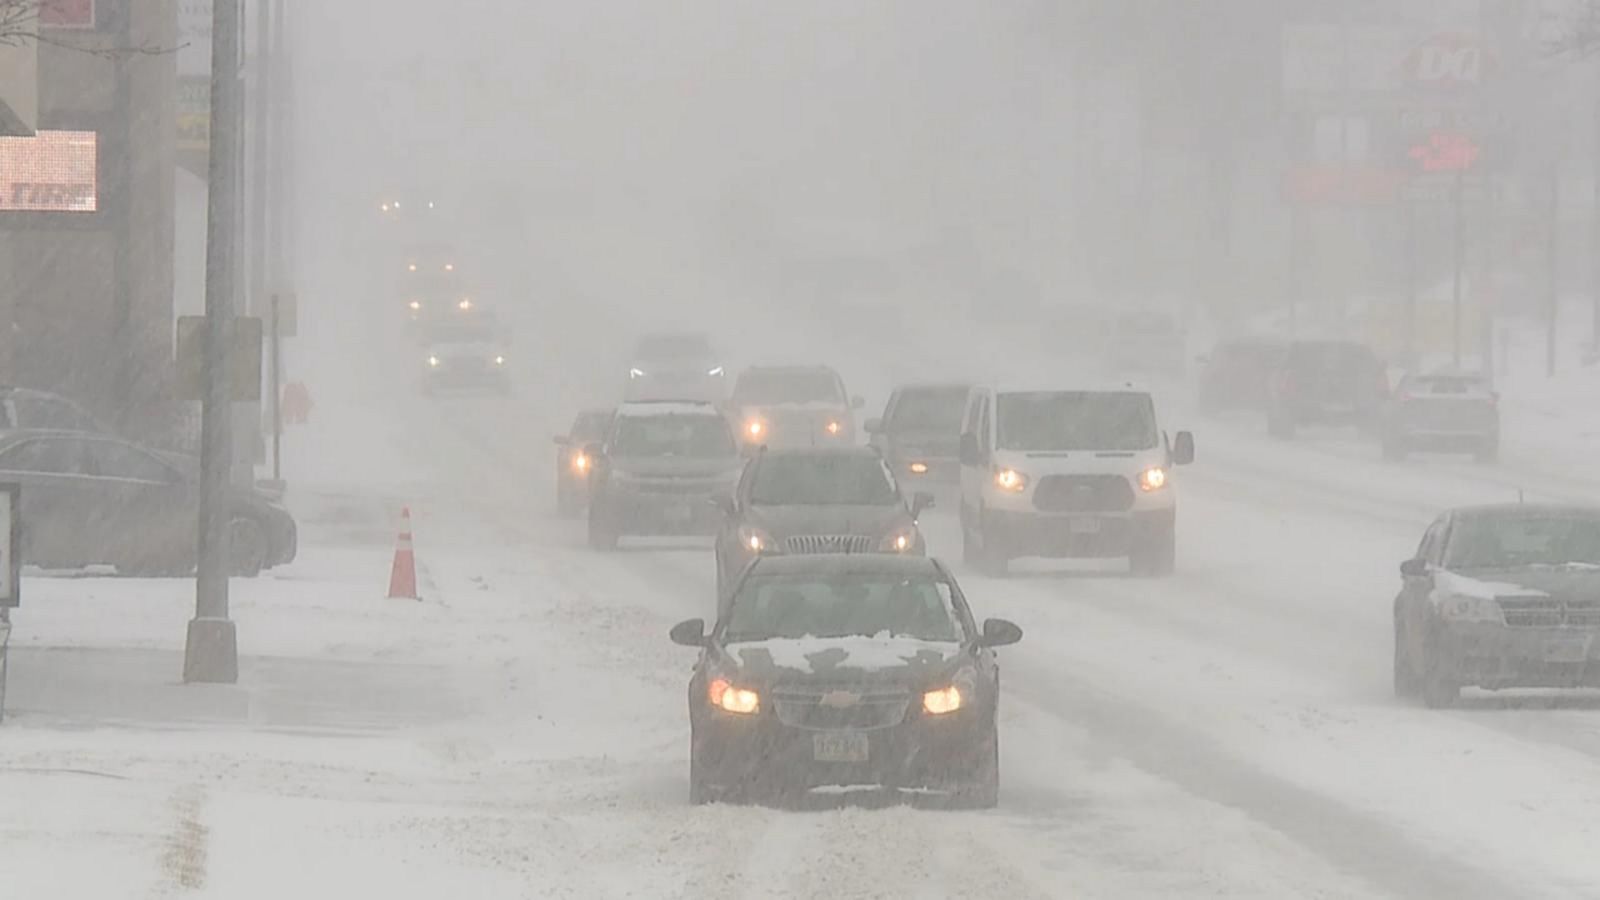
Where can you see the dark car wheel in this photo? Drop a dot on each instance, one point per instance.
(983, 791)
(1438, 687)
(247, 547)
(1405, 677)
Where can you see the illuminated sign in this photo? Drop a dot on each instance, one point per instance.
(1445, 151)
(54, 171)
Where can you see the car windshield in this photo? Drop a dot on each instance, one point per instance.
(865, 604)
(767, 388)
(673, 435)
(1077, 420)
(823, 480)
(673, 346)
(1447, 385)
(591, 426)
(930, 408)
(1508, 541)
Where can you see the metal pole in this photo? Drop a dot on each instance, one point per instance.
(277, 394)
(211, 652)
(1553, 311)
(260, 126)
(1295, 281)
(1455, 291)
(1411, 284)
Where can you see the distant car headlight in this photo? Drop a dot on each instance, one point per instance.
(411, 267)
(833, 427)
(449, 267)
(581, 463)
(725, 696)
(918, 468)
(961, 691)
(415, 305)
(1010, 480)
(716, 372)
(1152, 479)
(499, 360)
(635, 373)
(433, 361)
(464, 304)
(754, 540)
(755, 429)
(1458, 608)
(901, 540)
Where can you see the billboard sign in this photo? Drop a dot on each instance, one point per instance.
(67, 14)
(53, 171)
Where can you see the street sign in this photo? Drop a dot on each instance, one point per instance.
(1446, 151)
(1449, 61)
(19, 88)
(10, 546)
(244, 359)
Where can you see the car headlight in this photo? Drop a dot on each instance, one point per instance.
(464, 304)
(918, 468)
(499, 360)
(635, 373)
(716, 372)
(833, 427)
(725, 696)
(1457, 608)
(433, 361)
(1152, 479)
(1010, 480)
(902, 540)
(961, 691)
(581, 463)
(754, 540)
(755, 429)
(415, 305)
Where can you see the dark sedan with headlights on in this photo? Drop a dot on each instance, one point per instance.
(665, 468)
(845, 672)
(1502, 596)
(796, 502)
(920, 433)
(573, 464)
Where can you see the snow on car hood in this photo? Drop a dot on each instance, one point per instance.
(1451, 584)
(819, 656)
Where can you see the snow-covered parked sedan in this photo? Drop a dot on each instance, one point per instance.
(1504, 596)
(845, 671)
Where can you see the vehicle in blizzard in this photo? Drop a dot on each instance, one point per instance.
(1502, 596)
(665, 468)
(466, 365)
(1326, 383)
(1445, 411)
(91, 499)
(793, 406)
(1237, 374)
(676, 367)
(573, 464)
(826, 500)
(1146, 341)
(858, 670)
(920, 432)
(1069, 474)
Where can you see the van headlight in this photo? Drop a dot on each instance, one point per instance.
(1010, 480)
(1152, 479)
(901, 540)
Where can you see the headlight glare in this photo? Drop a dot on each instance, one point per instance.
(1010, 480)
(716, 372)
(901, 541)
(1152, 479)
(918, 468)
(580, 463)
(636, 373)
(755, 428)
(942, 702)
(499, 360)
(740, 701)
(754, 540)
(833, 427)
(433, 361)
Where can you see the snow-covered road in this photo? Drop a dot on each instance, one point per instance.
(521, 732)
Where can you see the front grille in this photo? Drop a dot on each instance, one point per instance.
(826, 710)
(1548, 612)
(1083, 493)
(803, 544)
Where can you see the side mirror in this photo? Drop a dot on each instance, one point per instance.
(873, 426)
(1000, 633)
(857, 402)
(689, 633)
(1414, 568)
(970, 454)
(921, 501)
(1183, 448)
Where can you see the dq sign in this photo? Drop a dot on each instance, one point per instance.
(1448, 62)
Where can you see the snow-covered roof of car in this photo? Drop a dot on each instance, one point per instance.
(1575, 510)
(667, 408)
(1098, 387)
(846, 563)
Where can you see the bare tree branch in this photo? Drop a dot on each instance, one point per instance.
(20, 24)
(1576, 32)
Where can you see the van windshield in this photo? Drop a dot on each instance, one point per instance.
(1076, 420)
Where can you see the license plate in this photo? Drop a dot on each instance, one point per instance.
(1084, 526)
(839, 746)
(1566, 650)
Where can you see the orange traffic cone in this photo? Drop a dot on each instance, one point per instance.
(403, 576)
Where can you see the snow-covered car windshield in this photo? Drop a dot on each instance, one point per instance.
(690, 436)
(768, 388)
(842, 605)
(823, 480)
(930, 408)
(1508, 541)
(1077, 420)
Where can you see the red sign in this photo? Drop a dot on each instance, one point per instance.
(66, 13)
(54, 171)
(1449, 61)
(1445, 151)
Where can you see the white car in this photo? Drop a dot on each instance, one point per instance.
(676, 367)
(1069, 474)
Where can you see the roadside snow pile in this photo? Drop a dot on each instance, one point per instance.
(881, 651)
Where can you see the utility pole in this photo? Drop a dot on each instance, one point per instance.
(1553, 301)
(1460, 243)
(211, 652)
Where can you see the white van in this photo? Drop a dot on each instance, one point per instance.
(1069, 474)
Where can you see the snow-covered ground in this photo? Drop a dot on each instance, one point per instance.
(521, 732)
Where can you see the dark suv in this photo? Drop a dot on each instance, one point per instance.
(1237, 374)
(1326, 383)
(795, 502)
(664, 469)
(920, 432)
